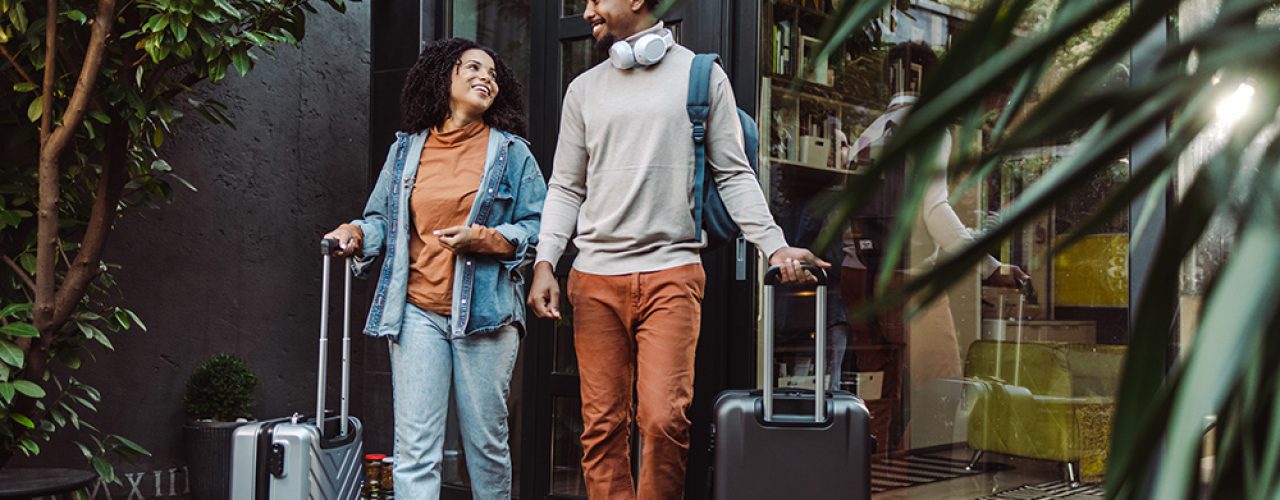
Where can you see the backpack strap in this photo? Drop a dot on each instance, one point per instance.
(699, 108)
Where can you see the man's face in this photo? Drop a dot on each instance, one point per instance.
(613, 20)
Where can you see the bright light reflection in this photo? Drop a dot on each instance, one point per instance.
(1234, 106)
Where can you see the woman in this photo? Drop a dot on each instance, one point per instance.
(455, 216)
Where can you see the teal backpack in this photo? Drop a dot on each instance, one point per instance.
(709, 212)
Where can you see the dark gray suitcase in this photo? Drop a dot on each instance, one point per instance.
(789, 443)
(293, 458)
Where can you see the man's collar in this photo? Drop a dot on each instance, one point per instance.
(652, 29)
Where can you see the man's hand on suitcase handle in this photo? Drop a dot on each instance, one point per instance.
(796, 265)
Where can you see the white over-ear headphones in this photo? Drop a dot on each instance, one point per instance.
(646, 50)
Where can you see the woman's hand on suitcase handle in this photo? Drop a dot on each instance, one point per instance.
(791, 261)
(544, 293)
(348, 243)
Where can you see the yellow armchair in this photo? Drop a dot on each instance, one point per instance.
(1044, 400)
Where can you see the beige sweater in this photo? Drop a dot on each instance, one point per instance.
(623, 171)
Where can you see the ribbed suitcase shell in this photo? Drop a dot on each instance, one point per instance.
(793, 454)
(312, 468)
(791, 458)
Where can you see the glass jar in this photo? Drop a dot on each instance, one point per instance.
(386, 484)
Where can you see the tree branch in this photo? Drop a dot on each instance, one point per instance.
(84, 268)
(21, 272)
(88, 75)
(47, 206)
(16, 66)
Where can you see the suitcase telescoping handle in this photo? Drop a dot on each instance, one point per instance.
(771, 278)
(328, 247)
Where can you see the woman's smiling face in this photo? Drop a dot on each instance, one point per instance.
(475, 83)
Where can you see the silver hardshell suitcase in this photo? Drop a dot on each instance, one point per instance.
(293, 458)
(791, 443)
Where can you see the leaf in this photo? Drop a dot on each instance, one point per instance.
(228, 8)
(36, 108)
(84, 450)
(132, 446)
(76, 15)
(100, 116)
(102, 339)
(255, 38)
(104, 469)
(20, 330)
(157, 139)
(84, 402)
(11, 354)
(22, 420)
(188, 185)
(88, 330)
(240, 60)
(30, 447)
(29, 389)
(28, 262)
(179, 31)
(24, 87)
(70, 360)
(7, 392)
(18, 16)
(15, 310)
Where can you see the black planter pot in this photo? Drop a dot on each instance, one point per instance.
(207, 446)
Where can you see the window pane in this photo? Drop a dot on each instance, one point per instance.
(574, 8)
(565, 358)
(502, 26)
(935, 380)
(566, 449)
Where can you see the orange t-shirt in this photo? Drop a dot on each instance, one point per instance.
(448, 179)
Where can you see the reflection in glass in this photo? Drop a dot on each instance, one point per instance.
(566, 449)
(574, 8)
(1048, 345)
(577, 56)
(502, 25)
(565, 357)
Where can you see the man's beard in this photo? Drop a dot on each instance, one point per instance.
(603, 44)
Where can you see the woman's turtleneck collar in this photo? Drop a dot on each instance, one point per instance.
(460, 135)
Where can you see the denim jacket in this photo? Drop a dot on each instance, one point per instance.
(488, 290)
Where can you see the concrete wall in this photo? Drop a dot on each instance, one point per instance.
(235, 267)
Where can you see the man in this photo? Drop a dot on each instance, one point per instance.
(623, 179)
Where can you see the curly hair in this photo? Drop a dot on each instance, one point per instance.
(424, 100)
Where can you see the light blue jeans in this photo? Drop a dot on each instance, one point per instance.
(425, 365)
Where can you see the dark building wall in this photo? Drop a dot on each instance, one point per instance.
(235, 267)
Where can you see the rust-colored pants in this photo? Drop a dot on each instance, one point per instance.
(639, 328)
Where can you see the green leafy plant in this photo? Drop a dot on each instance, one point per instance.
(89, 91)
(1228, 371)
(221, 389)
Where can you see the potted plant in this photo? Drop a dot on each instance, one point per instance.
(219, 398)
